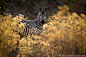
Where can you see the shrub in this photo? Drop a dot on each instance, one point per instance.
(63, 34)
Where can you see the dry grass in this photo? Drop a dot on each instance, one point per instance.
(65, 33)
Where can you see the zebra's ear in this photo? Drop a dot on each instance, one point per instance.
(45, 9)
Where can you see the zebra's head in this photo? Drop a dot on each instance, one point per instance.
(43, 15)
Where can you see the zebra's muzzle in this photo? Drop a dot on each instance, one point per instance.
(43, 22)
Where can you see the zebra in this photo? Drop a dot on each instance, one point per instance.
(37, 23)
(30, 24)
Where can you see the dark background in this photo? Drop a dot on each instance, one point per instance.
(30, 8)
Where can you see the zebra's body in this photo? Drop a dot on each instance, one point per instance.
(30, 24)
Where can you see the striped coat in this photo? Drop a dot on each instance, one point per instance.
(37, 23)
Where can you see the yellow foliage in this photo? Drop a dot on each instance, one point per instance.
(64, 34)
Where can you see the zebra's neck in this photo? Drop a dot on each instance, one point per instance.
(38, 17)
(39, 24)
(37, 20)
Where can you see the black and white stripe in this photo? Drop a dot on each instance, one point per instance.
(30, 24)
(37, 23)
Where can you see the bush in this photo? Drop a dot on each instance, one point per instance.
(63, 34)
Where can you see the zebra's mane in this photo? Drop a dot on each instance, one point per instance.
(25, 20)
